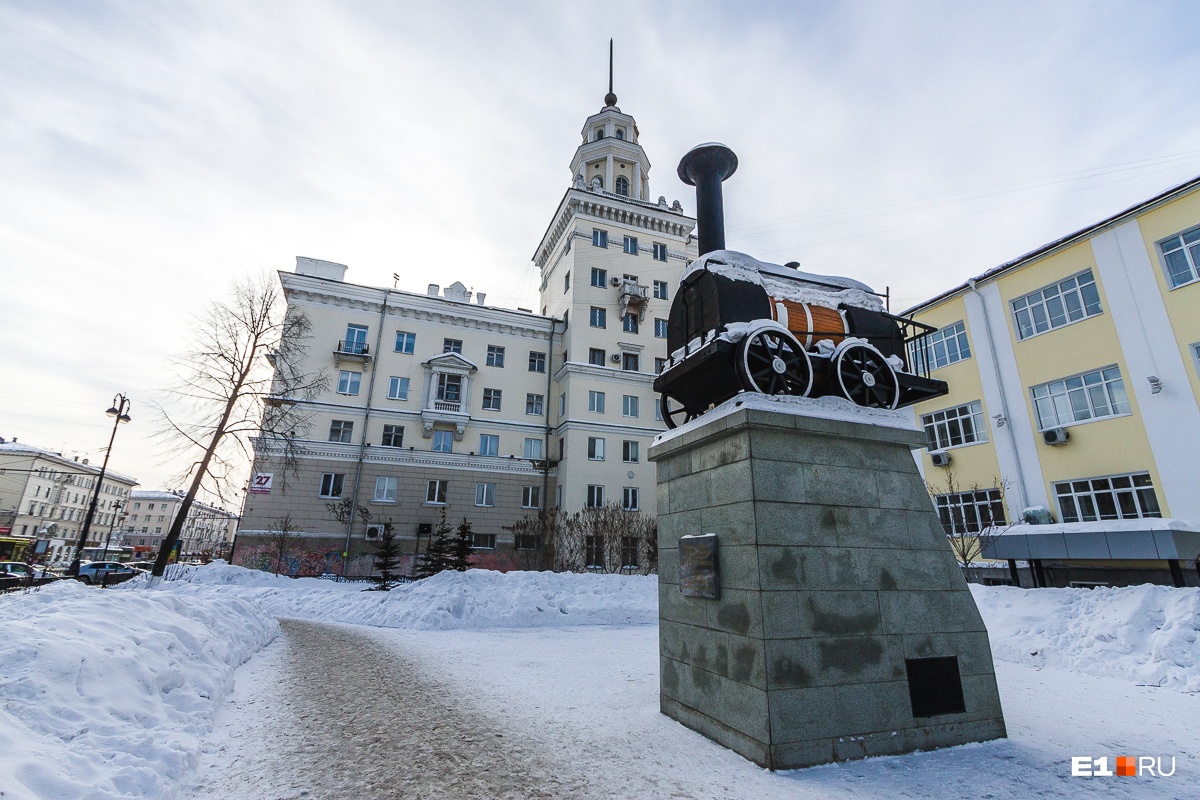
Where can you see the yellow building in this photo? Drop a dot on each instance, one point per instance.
(1073, 421)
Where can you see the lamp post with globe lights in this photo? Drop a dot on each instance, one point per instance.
(120, 413)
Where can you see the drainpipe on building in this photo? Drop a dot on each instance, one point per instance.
(363, 443)
(546, 410)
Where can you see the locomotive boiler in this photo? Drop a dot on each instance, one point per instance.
(741, 325)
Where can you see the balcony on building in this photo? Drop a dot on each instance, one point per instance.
(634, 298)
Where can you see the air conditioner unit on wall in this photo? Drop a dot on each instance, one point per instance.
(616, 358)
(1056, 436)
(615, 281)
(940, 459)
(373, 531)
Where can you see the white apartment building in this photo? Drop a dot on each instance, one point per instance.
(437, 404)
(207, 533)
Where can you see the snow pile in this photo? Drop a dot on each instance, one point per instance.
(108, 693)
(1149, 635)
(448, 601)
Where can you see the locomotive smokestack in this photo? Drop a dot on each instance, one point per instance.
(705, 166)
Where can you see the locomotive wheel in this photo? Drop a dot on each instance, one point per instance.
(771, 361)
(865, 377)
(673, 412)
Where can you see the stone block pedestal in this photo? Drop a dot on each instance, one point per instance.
(843, 626)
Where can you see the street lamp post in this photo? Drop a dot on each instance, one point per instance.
(120, 413)
(116, 510)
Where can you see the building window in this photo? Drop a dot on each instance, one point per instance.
(660, 254)
(562, 448)
(485, 494)
(660, 328)
(1196, 356)
(533, 448)
(495, 356)
(435, 492)
(405, 342)
(527, 541)
(629, 323)
(562, 404)
(452, 346)
(598, 318)
(397, 388)
(596, 356)
(331, 484)
(534, 403)
(595, 448)
(599, 238)
(629, 405)
(1114, 497)
(348, 382)
(593, 552)
(630, 362)
(596, 402)
(629, 498)
(621, 184)
(393, 436)
(531, 497)
(340, 430)
(940, 348)
(443, 441)
(483, 541)
(629, 451)
(595, 496)
(1081, 397)
(385, 489)
(356, 339)
(537, 361)
(566, 281)
(599, 277)
(1181, 257)
(1060, 304)
(659, 365)
(970, 512)
(631, 245)
(489, 444)
(630, 552)
(953, 427)
(491, 399)
(449, 389)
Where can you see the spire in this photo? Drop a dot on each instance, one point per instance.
(610, 99)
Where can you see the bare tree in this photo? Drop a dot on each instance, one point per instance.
(973, 518)
(608, 539)
(537, 538)
(281, 540)
(244, 377)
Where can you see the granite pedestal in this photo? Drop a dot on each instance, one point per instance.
(843, 626)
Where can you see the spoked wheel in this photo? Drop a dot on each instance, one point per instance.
(673, 411)
(771, 361)
(865, 377)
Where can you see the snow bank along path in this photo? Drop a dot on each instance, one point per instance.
(107, 693)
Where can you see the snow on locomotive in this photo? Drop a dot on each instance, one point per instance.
(740, 325)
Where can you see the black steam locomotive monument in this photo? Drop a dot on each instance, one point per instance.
(810, 608)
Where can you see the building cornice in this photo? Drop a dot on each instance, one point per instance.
(331, 451)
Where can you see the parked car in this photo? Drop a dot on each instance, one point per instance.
(105, 573)
(142, 566)
(14, 574)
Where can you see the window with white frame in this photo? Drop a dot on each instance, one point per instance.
(537, 361)
(340, 431)
(631, 245)
(941, 348)
(954, 427)
(531, 497)
(596, 402)
(356, 339)
(970, 512)
(435, 492)
(595, 496)
(385, 489)
(449, 388)
(629, 498)
(629, 323)
(491, 399)
(495, 355)
(1090, 395)
(397, 388)
(393, 436)
(596, 356)
(599, 277)
(1057, 305)
(629, 405)
(1113, 497)
(629, 451)
(348, 382)
(405, 342)
(595, 448)
(598, 317)
(660, 328)
(443, 441)
(1181, 257)
(483, 541)
(660, 254)
(621, 184)
(534, 404)
(485, 494)
(489, 444)
(452, 346)
(331, 484)
(533, 448)
(599, 237)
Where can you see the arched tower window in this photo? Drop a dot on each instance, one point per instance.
(622, 186)
(599, 134)
(620, 133)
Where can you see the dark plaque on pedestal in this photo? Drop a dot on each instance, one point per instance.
(698, 567)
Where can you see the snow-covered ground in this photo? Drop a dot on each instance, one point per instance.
(126, 692)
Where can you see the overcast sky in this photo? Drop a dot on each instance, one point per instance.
(151, 153)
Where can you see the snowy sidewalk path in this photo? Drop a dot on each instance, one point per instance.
(284, 733)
